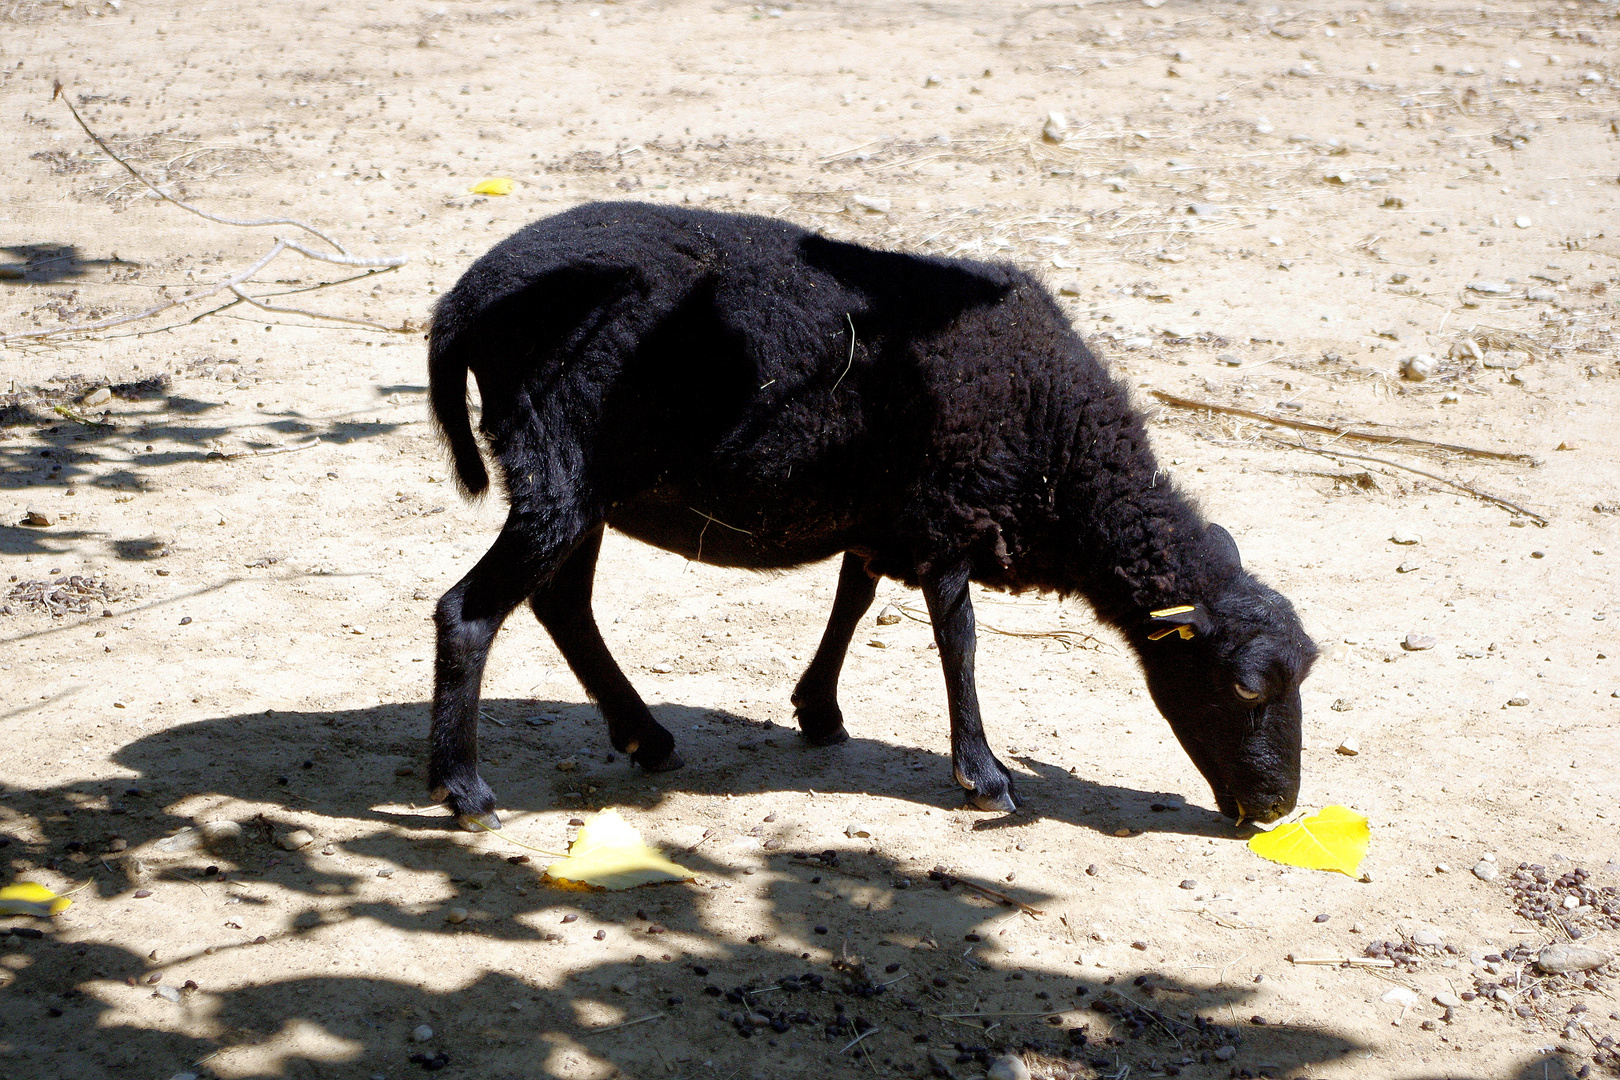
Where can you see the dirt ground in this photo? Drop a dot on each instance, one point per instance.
(1264, 207)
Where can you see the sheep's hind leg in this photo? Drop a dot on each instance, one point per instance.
(563, 606)
(976, 767)
(815, 699)
(468, 616)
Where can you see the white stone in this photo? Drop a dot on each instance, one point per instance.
(1008, 1068)
(1555, 959)
(297, 838)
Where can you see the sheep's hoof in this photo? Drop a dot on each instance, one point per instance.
(821, 725)
(479, 822)
(1004, 803)
(825, 738)
(669, 762)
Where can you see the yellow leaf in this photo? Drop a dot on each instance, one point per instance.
(1334, 838)
(31, 898)
(495, 185)
(609, 854)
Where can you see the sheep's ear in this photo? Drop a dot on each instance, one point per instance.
(1221, 549)
(1185, 620)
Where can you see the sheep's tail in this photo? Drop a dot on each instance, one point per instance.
(447, 395)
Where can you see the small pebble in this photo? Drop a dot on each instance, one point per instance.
(422, 1033)
(36, 516)
(1008, 1067)
(455, 915)
(1417, 642)
(221, 834)
(857, 830)
(1417, 368)
(1557, 959)
(1427, 938)
(600, 935)
(297, 838)
(1485, 870)
(1322, 918)
(1402, 536)
(1225, 1053)
(1448, 1000)
(1518, 699)
(169, 993)
(142, 894)
(1399, 995)
(1490, 288)
(1189, 884)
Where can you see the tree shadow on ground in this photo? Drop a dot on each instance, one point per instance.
(773, 963)
(43, 263)
(67, 442)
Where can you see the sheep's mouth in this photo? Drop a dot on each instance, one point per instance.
(1260, 809)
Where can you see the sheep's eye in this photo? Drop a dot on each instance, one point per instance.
(1245, 693)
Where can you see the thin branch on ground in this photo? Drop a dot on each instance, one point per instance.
(620, 1027)
(271, 452)
(234, 282)
(56, 92)
(1475, 492)
(994, 894)
(1343, 433)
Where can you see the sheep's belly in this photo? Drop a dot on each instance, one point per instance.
(749, 537)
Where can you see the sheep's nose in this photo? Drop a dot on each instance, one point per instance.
(1276, 810)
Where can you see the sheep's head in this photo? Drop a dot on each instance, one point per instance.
(1225, 671)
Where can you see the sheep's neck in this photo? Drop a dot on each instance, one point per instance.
(1138, 537)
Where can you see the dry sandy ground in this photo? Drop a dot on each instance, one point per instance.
(1265, 207)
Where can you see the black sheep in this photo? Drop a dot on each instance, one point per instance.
(745, 393)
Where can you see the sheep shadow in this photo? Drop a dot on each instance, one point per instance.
(836, 949)
(524, 740)
(858, 943)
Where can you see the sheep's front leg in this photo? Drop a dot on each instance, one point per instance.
(815, 699)
(976, 767)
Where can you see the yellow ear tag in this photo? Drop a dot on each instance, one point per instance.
(1181, 610)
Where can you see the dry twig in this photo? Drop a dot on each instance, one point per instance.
(1459, 485)
(1343, 433)
(621, 1027)
(233, 282)
(272, 452)
(1000, 897)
